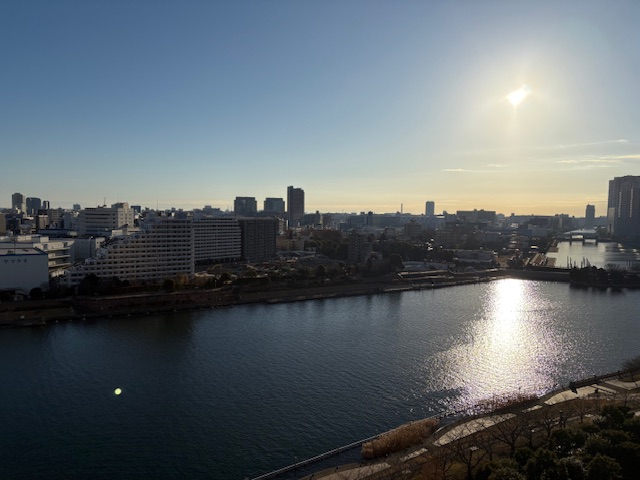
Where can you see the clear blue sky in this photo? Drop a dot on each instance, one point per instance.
(364, 104)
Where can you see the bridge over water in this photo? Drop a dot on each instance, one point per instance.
(581, 236)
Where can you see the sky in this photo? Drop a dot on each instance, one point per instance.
(366, 105)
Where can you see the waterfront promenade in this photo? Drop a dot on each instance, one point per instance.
(555, 409)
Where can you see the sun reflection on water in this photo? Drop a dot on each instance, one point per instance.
(510, 346)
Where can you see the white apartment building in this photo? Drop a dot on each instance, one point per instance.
(162, 249)
(217, 239)
(101, 220)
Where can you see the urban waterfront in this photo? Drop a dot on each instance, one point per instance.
(236, 392)
(601, 254)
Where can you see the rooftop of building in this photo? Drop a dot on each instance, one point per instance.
(9, 250)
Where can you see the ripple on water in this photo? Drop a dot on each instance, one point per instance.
(230, 393)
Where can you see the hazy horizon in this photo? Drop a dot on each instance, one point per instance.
(366, 105)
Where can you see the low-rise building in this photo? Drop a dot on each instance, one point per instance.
(23, 268)
(58, 250)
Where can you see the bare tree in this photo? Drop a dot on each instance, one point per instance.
(462, 445)
(510, 430)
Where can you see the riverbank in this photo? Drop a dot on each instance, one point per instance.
(516, 421)
(43, 312)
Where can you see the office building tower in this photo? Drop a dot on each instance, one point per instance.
(295, 206)
(274, 206)
(623, 210)
(245, 206)
(430, 209)
(18, 203)
(33, 205)
(589, 216)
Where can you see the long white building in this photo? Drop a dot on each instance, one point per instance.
(163, 248)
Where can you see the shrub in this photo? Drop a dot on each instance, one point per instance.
(399, 438)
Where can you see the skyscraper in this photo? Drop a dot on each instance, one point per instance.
(295, 205)
(274, 206)
(18, 202)
(33, 205)
(589, 216)
(430, 209)
(245, 206)
(623, 210)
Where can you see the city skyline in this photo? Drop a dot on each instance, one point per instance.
(367, 106)
(239, 208)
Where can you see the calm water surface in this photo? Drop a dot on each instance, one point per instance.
(230, 393)
(599, 255)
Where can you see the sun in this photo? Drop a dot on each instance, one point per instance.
(517, 96)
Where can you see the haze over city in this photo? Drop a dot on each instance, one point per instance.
(514, 107)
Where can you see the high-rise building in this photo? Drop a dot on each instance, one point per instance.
(295, 205)
(430, 209)
(245, 206)
(274, 206)
(216, 239)
(258, 238)
(18, 203)
(33, 205)
(623, 210)
(589, 216)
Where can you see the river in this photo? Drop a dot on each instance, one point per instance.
(601, 255)
(231, 393)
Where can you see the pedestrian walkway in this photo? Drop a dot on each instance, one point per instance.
(472, 426)
(392, 466)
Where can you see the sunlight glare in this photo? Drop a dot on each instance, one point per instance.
(517, 96)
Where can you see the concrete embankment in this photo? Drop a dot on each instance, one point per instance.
(35, 312)
(546, 274)
(31, 313)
